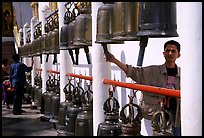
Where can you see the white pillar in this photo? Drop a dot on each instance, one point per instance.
(191, 68)
(20, 32)
(45, 65)
(25, 29)
(64, 58)
(101, 70)
(32, 30)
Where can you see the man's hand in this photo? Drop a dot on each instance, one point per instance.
(109, 57)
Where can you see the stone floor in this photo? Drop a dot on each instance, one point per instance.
(27, 124)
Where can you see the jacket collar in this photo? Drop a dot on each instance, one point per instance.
(164, 71)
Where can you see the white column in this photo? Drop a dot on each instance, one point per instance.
(32, 30)
(101, 69)
(45, 65)
(64, 58)
(20, 32)
(191, 68)
(25, 29)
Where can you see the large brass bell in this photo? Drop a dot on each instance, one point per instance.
(84, 120)
(105, 25)
(157, 19)
(83, 29)
(131, 123)
(45, 40)
(26, 49)
(37, 41)
(125, 18)
(64, 38)
(73, 110)
(43, 37)
(55, 104)
(162, 122)
(111, 125)
(68, 89)
(54, 47)
(38, 46)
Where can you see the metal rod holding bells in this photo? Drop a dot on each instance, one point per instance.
(77, 55)
(71, 54)
(143, 44)
(105, 49)
(86, 49)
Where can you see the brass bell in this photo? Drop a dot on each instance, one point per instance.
(64, 38)
(70, 35)
(125, 18)
(43, 43)
(54, 47)
(38, 46)
(105, 25)
(83, 29)
(131, 124)
(70, 39)
(162, 122)
(26, 50)
(157, 19)
(47, 42)
(33, 43)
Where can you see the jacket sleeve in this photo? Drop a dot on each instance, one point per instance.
(141, 75)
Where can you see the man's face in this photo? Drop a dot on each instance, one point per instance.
(171, 53)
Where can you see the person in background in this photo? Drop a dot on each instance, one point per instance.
(5, 82)
(166, 75)
(18, 82)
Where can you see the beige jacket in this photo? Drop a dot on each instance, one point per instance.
(154, 75)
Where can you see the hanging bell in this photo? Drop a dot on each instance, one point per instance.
(64, 38)
(111, 125)
(73, 110)
(70, 35)
(26, 48)
(38, 46)
(157, 19)
(43, 43)
(45, 40)
(125, 18)
(105, 25)
(48, 40)
(55, 104)
(84, 120)
(68, 89)
(131, 123)
(54, 47)
(162, 122)
(83, 29)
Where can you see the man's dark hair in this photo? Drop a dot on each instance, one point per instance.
(173, 42)
(5, 61)
(16, 57)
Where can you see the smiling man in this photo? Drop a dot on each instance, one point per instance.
(166, 75)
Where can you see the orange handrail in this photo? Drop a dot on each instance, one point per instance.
(152, 89)
(80, 76)
(52, 71)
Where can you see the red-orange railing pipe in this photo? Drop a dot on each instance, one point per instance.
(80, 76)
(152, 89)
(52, 71)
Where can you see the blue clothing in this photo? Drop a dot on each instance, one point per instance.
(18, 81)
(17, 74)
